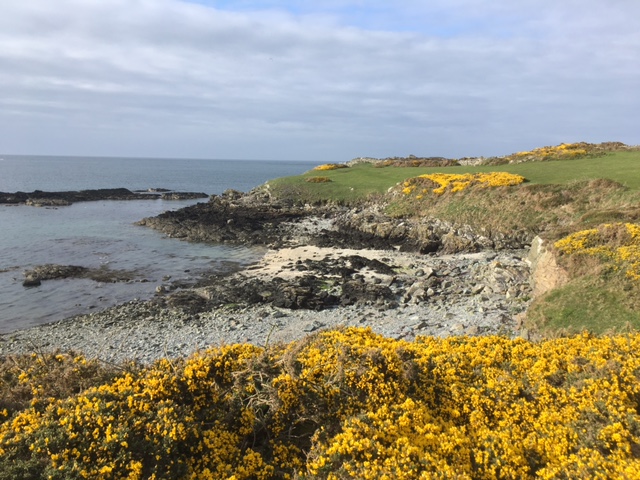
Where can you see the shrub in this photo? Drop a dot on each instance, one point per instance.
(455, 182)
(29, 380)
(330, 166)
(349, 404)
(615, 243)
(318, 179)
(562, 151)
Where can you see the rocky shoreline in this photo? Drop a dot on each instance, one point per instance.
(471, 294)
(327, 267)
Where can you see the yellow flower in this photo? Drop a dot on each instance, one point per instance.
(455, 182)
(617, 243)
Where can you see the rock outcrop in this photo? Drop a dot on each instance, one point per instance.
(546, 273)
(38, 198)
(257, 219)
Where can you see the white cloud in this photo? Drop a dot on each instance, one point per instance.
(163, 77)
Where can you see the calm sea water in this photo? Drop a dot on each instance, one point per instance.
(94, 234)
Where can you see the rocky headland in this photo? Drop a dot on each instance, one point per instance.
(259, 219)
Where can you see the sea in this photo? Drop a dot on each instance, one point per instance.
(103, 233)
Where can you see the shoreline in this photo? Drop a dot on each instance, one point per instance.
(326, 267)
(145, 331)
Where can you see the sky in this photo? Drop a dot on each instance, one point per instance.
(325, 81)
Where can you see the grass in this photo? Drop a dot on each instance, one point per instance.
(621, 167)
(556, 209)
(599, 304)
(347, 185)
(357, 183)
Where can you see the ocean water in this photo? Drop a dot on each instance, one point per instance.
(103, 234)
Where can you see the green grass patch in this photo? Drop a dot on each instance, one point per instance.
(347, 185)
(593, 303)
(357, 183)
(621, 167)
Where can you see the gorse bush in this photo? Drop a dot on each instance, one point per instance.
(348, 404)
(562, 151)
(456, 182)
(330, 166)
(615, 243)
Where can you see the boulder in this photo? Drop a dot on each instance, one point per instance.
(546, 273)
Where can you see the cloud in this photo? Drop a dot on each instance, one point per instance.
(298, 80)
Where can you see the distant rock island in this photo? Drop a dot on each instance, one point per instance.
(38, 198)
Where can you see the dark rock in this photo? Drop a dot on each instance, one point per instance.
(358, 292)
(221, 221)
(31, 282)
(102, 274)
(51, 271)
(40, 198)
(257, 219)
(183, 195)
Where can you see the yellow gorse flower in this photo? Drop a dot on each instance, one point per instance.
(564, 150)
(617, 243)
(330, 166)
(456, 182)
(351, 404)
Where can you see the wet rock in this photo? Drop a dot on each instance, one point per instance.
(31, 281)
(53, 271)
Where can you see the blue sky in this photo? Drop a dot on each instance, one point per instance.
(323, 81)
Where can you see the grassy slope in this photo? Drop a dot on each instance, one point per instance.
(558, 199)
(597, 304)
